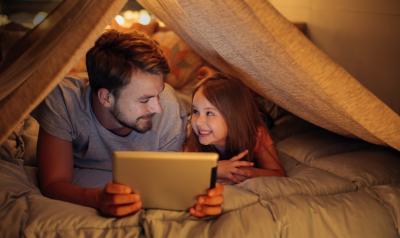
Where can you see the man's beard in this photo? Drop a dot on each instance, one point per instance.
(135, 126)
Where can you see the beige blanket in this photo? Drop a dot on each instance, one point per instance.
(336, 187)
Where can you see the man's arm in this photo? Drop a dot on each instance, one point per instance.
(55, 175)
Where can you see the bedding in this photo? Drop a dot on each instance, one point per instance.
(336, 187)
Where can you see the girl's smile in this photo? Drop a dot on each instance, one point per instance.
(208, 122)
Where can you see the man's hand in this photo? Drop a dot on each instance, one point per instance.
(118, 200)
(209, 204)
(230, 169)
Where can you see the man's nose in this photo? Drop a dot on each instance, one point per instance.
(155, 106)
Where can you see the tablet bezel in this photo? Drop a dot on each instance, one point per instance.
(166, 180)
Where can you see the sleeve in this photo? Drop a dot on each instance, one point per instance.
(53, 116)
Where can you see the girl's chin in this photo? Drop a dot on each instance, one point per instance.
(203, 141)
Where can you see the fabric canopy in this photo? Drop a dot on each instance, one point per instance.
(40, 60)
(248, 38)
(252, 40)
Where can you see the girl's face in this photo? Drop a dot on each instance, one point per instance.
(207, 122)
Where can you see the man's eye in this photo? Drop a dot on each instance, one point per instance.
(144, 100)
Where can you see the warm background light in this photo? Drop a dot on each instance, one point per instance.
(40, 16)
(119, 19)
(144, 17)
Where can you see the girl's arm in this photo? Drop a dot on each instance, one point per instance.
(266, 157)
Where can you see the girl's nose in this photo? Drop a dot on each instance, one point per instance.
(200, 120)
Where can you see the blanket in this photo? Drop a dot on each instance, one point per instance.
(335, 187)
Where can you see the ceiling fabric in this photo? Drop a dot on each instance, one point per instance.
(55, 46)
(252, 40)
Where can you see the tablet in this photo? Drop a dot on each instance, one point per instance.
(166, 180)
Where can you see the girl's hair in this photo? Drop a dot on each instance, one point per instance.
(237, 105)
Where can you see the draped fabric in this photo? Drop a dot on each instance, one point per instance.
(247, 38)
(50, 51)
(252, 40)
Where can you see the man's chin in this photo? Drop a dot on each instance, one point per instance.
(139, 127)
(144, 127)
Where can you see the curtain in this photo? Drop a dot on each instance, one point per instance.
(252, 40)
(55, 46)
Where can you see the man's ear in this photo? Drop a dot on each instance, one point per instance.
(105, 97)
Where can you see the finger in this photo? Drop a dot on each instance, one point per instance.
(210, 210)
(116, 188)
(119, 211)
(224, 181)
(120, 199)
(240, 155)
(196, 213)
(241, 172)
(233, 179)
(210, 201)
(217, 190)
(240, 177)
(243, 164)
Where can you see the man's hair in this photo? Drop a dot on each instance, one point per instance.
(115, 56)
(237, 105)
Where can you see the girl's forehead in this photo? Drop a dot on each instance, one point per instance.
(199, 96)
(200, 100)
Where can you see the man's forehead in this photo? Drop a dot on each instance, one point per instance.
(146, 84)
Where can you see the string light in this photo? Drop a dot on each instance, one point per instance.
(40, 16)
(144, 17)
(127, 18)
(119, 19)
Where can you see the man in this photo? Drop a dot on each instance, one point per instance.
(126, 107)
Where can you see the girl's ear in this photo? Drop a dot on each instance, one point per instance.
(105, 97)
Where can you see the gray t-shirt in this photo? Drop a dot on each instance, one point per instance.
(67, 114)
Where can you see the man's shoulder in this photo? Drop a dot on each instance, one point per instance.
(68, 97)
(173, 111)
(68, 90)
(168, 92)
(73, 85)
(170, 124)
(63, 111)
(170, 101)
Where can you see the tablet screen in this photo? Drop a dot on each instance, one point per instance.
(166, 180)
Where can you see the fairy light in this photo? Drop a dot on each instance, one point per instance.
(144, 17)
(119, 19)
(40, 16)
(130, 15)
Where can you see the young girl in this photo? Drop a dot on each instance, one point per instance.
(225, 119)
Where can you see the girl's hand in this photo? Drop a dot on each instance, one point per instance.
(209, 204)
(230, 169)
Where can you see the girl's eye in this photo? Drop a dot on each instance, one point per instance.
(210, 114)
(194, 111)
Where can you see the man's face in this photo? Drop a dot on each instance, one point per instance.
(138, 101)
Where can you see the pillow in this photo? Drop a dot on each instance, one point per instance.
(30, 137)
(20, 146)
(12, 149)
(183, 61)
